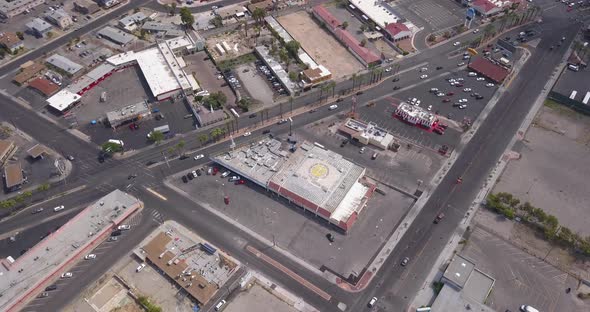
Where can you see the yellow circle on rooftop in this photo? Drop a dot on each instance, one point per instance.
(318, 171)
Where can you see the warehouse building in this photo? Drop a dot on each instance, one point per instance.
(115, 35)
(11, 8)
(64, 65)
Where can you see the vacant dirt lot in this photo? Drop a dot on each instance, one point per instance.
(320, 44)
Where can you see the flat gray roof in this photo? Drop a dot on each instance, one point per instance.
(22, 279)
(452, 300)
(116, 35)
(64, 64)
(39, 25)
(459, 270)
(127, 112)
(133, 18)
(570, 81)
(478, 286)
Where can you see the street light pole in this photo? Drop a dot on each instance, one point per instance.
(290, 126)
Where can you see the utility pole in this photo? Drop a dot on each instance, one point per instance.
(281, 109)
(291, 101)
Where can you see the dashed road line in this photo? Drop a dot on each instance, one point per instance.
(162, 197)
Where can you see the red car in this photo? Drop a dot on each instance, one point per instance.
(215, 170)
(446, 100)
(450, 93)
(459, 85)
(438, 130)
(238, 182)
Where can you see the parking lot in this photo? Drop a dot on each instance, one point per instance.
(298, 231)
(207, 75)
(520, 277)
(430, 13)
(254, 80)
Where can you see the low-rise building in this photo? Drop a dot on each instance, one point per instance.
(163, 29)
(38, 27)
(38, 151)
(59, 18)
(14, 177)
(489, 69)
(397, 31)
(28, 72)
(7, 149)
(115, 35)
(10, 41)
(128, 114)
(129, 23)
(11, 8)
(231, 11)
(208, 117)
(86, 6)
(367, 133)
(44, 86)
(64, 65)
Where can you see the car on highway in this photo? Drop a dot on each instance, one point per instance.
(423, 76)
(333, 107)
(489, 85)
(456, 43)
(439, 217)
(90, 257)
(58, 208)
(247, 134)
(67, 275)
(124, 227)
(527, 308)
(372, 302)
(199, 157)
(405, 261)
(396, 88)
(396, 79)
(38, 210)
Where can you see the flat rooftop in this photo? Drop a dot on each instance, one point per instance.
(571, 81)
(378, 11)
(127, 112)
(459, 270)
(416, 112)
(184, 260)
(453, 300)
(22, 279)
(370, 131)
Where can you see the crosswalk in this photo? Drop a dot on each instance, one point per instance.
(147, 214)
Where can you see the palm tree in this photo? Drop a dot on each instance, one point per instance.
(353, 80)
(203, 138)
(245, 23)
(488, 30)
(258, 15)
(332, 85)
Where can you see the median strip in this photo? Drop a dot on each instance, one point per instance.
(156, 193)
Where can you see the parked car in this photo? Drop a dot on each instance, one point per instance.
(67, 275)
(90, 257)
(113, 239)
(124, 227)
(184, 179)
(405, 261)
(423, 76)
(51, 287)
(199, 156)
(140, 267)
(489, 85)
(372, 302)
(439, 217)
(247, 134)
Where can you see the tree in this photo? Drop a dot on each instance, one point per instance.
(215, 100)
(20, 35)
(293, 48)
(244, 103)
(363, 42)
(431, 38)
(187, 18)
(345, 25)
(156, 136)
(217, 21)
(111, 147)
(258, 15)
(50, 34)
(180, 146)
(447, 35)
(284, 56)
(363, 28)
(354, 76)
(489, 31)
(293, 76)
(245, 25)
(173, 8)
(136, 10)
(203, 138)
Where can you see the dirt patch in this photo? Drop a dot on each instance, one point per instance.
(321, 45)
(406, 45)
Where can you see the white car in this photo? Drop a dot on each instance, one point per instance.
(462, 106)
(475, 31)
(67, 275)
(463, 101)
(372, 302)
(467, 90)
(219, 305)
(388, 69)
(333, 107)
(456, 43)
(480, 79)
(440, 94)
(460, 79)
(489, 85)
(423, 76)
(433, 90)
(140, 267)
(429, 107)
(247, 134)
(124, 227)
(199, 157)
(528, 308)
(461, 64)
(423, 69)
(58, 208)
(472, 74)
(90, 257)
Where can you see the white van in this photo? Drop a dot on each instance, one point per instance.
(225, 174)
(120, 142)
(528, 308)
(219, 305)
(140, 267)
(573, 67)
(333, 107)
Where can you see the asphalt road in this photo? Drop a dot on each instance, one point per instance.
(422, 241)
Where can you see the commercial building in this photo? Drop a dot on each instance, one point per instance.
(231, 11)
(128, 114)
(363, 54)
(380, 12)
(367, 133)
(11, 8)
(194, 265)
(44, 86)
(308, 175)
(28, 72)
(130, 23)
(38, 151)
(14, 178)
(86, 7)
(161, 67)
(163, 29)
(59, 18)
(487, 8)
(397, 31)
(491, 70)
(208, 117)
(465, 288)
(38, 27)
(7, 149)
(115, 35)
(266, 5)
(415, 115)
(23, 278)
(64, 65)
(10, 41)
(63, 100)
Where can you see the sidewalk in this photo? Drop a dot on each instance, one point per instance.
(426, 295)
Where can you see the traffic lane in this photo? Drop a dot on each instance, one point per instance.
(479, 156)
(41, 51)
(234, 242)
(86, 272)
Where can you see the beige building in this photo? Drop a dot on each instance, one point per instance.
(59, 18)
(11, 8)
(7, 148)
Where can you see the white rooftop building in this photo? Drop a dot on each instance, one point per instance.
(367, 133)
(63, 100)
